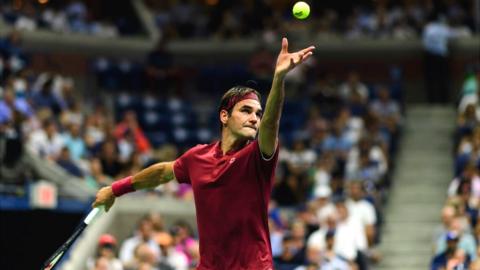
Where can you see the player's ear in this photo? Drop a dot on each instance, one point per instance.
(224, 117)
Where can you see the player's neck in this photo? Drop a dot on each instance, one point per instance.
(230, 143)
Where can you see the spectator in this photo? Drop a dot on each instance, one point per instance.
(387, 110)
(352, 86)
(448, 213)
(362, 210)
(74, 142)
(130, 125)
(65, 161)
(109, 159)
(106, 249)
(465, 240)
(144, 258)
(141, 244)
(171, 259)
(440, 261)
(47, 142)
(289, 258)
(436, 36)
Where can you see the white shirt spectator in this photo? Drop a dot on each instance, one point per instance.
(349, 239)
(435, 38)
(375, 154)
(363, 211)
(346, 90)
(44, 146)
(128, 247)
(454, 185)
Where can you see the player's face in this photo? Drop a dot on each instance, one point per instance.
(244, 120)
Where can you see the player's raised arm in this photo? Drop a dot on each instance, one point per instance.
(268, 133)
(150, 177)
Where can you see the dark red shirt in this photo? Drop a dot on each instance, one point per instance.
(231, 193)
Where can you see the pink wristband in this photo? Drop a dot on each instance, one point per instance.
(122, 186)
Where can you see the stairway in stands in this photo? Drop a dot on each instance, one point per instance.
(423, 172)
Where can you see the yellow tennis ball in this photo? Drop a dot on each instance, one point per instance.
(301, 10)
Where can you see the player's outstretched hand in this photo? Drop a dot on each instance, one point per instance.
(287, 61)
(104, 197)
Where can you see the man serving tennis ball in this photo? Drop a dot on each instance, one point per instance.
(231, 179)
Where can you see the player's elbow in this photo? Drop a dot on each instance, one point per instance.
(164, 173)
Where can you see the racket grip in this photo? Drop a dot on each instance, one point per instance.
(93, 214)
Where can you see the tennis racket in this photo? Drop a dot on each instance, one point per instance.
(55, 258)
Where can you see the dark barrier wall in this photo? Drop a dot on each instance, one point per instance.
(28, 238)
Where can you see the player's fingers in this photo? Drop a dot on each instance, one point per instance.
(284, 45)
(307, 50)
(306, 56)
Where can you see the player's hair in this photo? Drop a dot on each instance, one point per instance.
(234, 92)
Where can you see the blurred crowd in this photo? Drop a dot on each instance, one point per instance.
(457, 240)
(152, 246)
(329, 19)
(72, 16)
(262, 19)
(338, 138)
(339, 134)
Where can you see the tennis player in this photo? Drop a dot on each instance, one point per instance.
(232, 178)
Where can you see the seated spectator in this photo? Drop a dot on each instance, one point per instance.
(331, 260)
(387, 110)
(290, 257)
(465, 240)
(440, 261)
(185, 243)
(65, 161)
(101, 263)
(96, 178)
(448, 213)
(106, 249)
(468, 120)
(46, 142)
(353, 85)
(144, 258)
(171, 258)
(130, 124)
(362, 210)
(109, 159)
(74, 142)
(141, 244)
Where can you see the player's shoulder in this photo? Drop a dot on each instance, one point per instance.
(202, 148)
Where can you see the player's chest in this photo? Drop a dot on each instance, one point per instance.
(220, 170)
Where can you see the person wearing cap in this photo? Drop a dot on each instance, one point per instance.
(322, 204)
(452, 255)
(106, 250)
(232, 178)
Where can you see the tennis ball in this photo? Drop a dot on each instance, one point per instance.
(301, 10)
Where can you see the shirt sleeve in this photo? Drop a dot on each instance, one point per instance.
(266, 163)
(180, 168)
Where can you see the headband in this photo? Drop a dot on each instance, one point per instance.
(235, 99)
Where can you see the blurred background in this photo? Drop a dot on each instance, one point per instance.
(380, 132)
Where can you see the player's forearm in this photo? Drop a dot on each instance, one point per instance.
(271, 118)
(273, 108)
(153, 176)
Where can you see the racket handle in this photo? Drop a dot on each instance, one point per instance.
(93, 214)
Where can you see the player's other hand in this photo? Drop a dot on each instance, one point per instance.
(104, 197)
(287, 61)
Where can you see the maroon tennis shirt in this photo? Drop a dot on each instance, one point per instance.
(231, 193)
